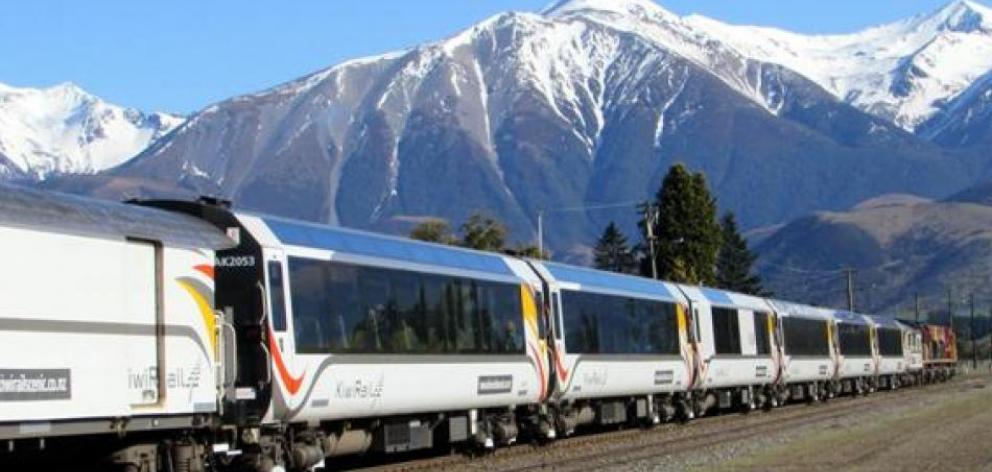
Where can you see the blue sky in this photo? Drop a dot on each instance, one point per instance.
(182, 55)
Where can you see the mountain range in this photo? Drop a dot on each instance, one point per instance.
(63, 129)
(900, 246)
(586, 103)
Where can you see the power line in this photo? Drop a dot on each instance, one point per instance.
(801, 271)
(595, 206)
(581, 208)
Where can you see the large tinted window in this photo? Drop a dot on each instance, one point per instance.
(890, 342)
(726, 331)
(761, 334)
(855, 339)
(608, 324)
(805, 337)
(344, 308)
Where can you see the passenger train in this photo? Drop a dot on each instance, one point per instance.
(184, 336)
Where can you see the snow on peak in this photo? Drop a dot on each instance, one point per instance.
(902, 72)
(63, 129)
(620, 7)
(961, 16)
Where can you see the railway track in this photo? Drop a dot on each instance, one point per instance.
(634, 445)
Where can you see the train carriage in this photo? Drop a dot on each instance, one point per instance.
(912, 341)
(621, 346)
(855, 344)
(890, 351)
(107, 325)
(361, 327)
(809, 361)
(738, 354)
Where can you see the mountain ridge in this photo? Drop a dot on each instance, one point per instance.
(64, 129)
(901, 247)
(586, 103)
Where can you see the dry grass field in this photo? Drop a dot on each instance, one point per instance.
(951, 432)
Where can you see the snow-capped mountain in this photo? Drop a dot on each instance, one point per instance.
(904, 72)
(584, 103)
(63, 129)
(966, 121)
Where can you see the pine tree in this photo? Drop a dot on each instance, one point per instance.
(687, 233)
(735, 262)
(433, 230)
(613, 253)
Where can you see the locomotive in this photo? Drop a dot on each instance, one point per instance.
(185, 336)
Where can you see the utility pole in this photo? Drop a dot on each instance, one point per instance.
(850, 288)
(974, 343)
(650, 218)
(540, 233)
(917, 307)
(950, 309)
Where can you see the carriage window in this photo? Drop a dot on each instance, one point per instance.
(608, 324)
(726, 331)
(277, 299)
(855, 339)
(761, 338)
(805, 337)
(345, 308)
(889, 342)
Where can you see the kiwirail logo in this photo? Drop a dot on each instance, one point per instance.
(35, 384)
(493, 384)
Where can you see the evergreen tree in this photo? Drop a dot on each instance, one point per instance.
(681, 272)
(613, 253)
(433, 230)
(735, 262)
(687, 234)
(483, 233)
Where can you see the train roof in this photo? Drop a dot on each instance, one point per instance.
(726, 298)
(37, 209)
(850, 317)
(594, 279)
(885, 320)
(785, 308)
(330, 238)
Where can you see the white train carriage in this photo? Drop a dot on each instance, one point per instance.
(371, 342)
(107, 324)
(621, 347)
(809, 362)
(890, 353)
(855, 345)
(912, 350)
(738, 354)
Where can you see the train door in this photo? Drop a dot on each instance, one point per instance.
(833, 340)
(705, 340)
(698, 312)
(554, 328)
(555, 333)
(777, 344)
(278, 300)
(281, 344)
(142, 278)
